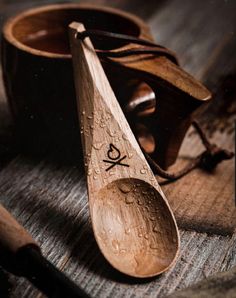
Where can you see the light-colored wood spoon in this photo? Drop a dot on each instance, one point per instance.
(132, 221)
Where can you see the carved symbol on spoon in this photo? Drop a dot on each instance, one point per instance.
(114, 155)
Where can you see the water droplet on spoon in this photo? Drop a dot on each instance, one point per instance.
(98, 145)
(129, 199)
(125, 187)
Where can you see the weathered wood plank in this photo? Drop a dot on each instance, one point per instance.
(50, 200)
(223, 284)
(195, 30)
(205, 201)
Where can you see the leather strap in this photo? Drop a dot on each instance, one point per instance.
(150, 47)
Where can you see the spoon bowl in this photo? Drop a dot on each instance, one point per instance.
(132, 229)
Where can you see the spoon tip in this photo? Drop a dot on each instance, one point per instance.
(135, 228)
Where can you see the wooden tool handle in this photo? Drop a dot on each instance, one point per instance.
(12, 235)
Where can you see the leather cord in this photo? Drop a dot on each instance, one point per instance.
(150, 47)
(207, 160)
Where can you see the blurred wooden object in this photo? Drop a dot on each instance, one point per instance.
(12, 235)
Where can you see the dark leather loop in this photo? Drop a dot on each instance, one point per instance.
(150, 47)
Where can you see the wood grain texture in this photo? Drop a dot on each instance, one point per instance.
(204, 201)
(133, 225)
(50, 198)
(222, 284)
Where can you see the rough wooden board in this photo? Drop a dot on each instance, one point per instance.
(205, 201)
(221, 285)
(63, 229)
(195, 30)
(50, 201)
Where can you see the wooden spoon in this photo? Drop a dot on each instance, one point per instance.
(132, 221)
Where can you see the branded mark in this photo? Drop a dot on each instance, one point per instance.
(114, 157)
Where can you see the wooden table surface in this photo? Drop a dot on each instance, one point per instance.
(49, 198)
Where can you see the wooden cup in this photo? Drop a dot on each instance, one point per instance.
(38, 76)
(37, 71)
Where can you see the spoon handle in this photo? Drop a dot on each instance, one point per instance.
(110, 148)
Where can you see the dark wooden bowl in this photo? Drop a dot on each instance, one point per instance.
(38, 76)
